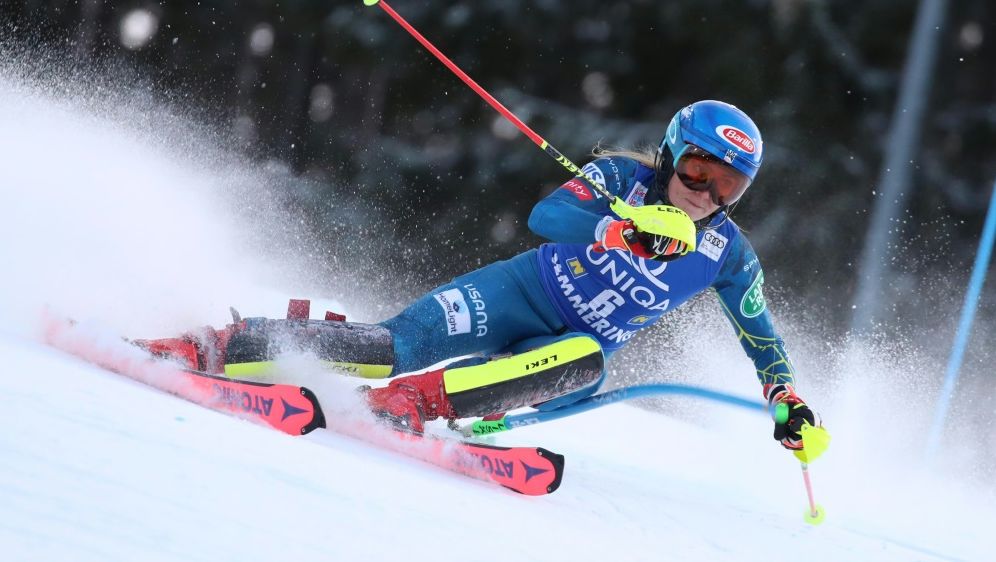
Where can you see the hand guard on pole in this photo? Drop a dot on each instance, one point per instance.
(790, 414)
(657, 232)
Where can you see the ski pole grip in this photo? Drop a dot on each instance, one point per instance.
(781, 412)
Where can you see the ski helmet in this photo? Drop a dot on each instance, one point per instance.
(712, 129)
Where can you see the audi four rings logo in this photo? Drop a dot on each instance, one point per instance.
(714, 240)
(736, 137)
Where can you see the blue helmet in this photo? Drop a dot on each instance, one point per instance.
(720, 129)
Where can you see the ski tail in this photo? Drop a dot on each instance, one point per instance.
(288, 408)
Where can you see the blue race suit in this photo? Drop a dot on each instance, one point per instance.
(613, 295)
(565, 289)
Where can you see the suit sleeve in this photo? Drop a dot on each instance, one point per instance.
(739, 287)
(572, 211)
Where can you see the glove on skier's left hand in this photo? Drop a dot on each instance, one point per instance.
(787, 432)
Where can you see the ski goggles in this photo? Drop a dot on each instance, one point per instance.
(699, 170)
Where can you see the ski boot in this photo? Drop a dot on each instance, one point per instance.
(408, 402)
(201, 350)
(479, 387)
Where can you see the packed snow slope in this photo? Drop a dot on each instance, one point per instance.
(98, 467)
(118, 213)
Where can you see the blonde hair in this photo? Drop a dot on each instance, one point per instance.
(646, 155)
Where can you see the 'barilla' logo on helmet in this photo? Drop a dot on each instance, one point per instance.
(736, 137)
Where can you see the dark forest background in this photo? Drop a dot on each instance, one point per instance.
(386, 147)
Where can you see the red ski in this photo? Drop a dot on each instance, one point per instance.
(532, 471)
(288, 408)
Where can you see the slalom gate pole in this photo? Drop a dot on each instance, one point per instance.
(533, 136)
(484, 427)
(978, 278)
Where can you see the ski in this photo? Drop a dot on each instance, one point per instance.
(295, 410)
(288, 408)
(532, 471)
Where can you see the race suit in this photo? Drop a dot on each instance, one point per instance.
(566, 289)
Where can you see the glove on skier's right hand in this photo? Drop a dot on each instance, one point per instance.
(611, 234)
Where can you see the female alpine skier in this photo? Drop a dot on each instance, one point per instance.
(541, 325)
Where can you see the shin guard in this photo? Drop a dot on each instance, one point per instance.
(365, 350)
(524, 379)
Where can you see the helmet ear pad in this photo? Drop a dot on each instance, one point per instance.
(663, 170)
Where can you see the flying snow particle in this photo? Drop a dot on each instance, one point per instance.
(137, 28)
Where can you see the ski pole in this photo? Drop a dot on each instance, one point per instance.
(512, 421)
(815, 440)
(648, 215)
(533, 136)
(815, 514)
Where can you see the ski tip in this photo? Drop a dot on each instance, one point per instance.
(557, 460)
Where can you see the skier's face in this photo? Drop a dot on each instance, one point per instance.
(699, 170)
(698, 204)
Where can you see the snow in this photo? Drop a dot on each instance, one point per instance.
(96, 467)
